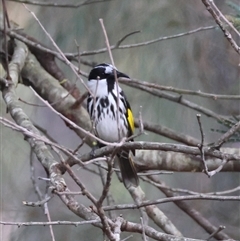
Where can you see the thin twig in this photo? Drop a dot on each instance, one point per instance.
(167, 132)
(73, 56)
(143, 230)
(73, 68)
(201, 130)
(185, 207)
(67, 193)
(60, 5)
(201, 145)
(214, 11)
(172, 199)
(99, 203)
(87, 133)
(126, 36)
(80, 184)
(219, 13)
(108, 182)
(218, 169)
(20, 224)
(103, 50)
(44, 179)
(42, 199)
(180, 91)
(47, 213)
(103, 177)
(226, 135)
(6, 13)
(163, 186)
(182, 101)
(79, 56)
(39, 137)
(127, 238)
(154, 173)
(157, 146)
(115, 74)
(140, 124)
(5, 23)
(38, 203)
(216, 232)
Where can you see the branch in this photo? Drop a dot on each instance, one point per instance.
(170, 161)
(50, 89)
(227, 135)
(169, 133)
(177, 99)
(173, 199)
(153, 233)
(180, 91)
(20, 224)
(151, 160)
(184, 206)
(112, 47)
(31, 134)
(216, 14)
(60, 5)
(164, 147)
(39, 148)
(65, 60)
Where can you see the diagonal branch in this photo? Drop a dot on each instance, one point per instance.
(180, 100)
(193, 213)
(9, 96)
(214, 11)
(43, 154)
(227, 135)
(50, 89)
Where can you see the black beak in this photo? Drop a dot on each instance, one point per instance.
(120, 74)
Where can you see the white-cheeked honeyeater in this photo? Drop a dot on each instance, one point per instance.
(110, 124)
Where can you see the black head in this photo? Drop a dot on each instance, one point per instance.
(104, 71)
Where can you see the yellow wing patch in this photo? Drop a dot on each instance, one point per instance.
(130, 119)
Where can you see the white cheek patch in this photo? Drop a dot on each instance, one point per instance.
(109, 69)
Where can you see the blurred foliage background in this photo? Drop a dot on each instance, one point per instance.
(202, 61)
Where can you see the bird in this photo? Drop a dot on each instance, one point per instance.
(112, 116)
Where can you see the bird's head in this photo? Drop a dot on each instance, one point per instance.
(105, 71)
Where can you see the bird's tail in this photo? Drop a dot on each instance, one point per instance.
(127, 168)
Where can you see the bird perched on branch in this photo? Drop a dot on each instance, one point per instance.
(111, 115)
